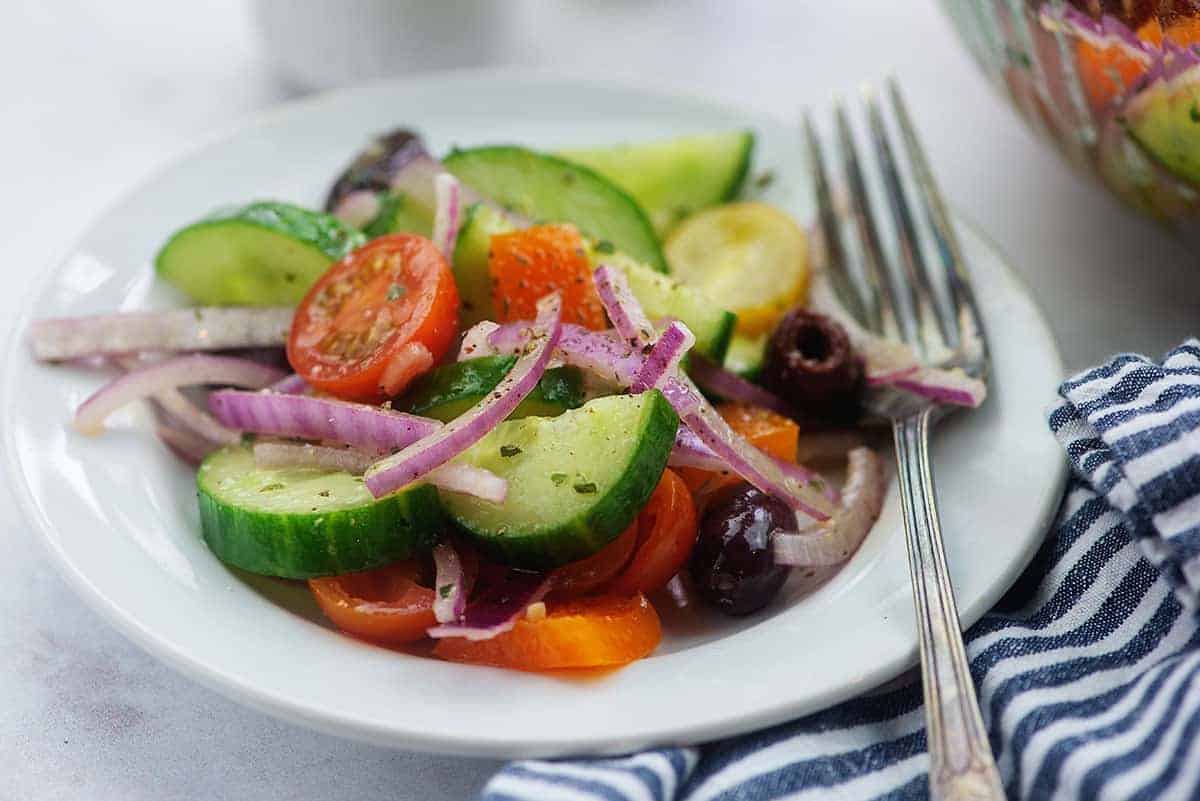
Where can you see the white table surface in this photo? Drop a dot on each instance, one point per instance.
(97, 94)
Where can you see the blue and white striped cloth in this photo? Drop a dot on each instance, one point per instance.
(1088, 671)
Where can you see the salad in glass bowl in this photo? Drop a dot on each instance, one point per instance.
(503, 403)
(1115, 84)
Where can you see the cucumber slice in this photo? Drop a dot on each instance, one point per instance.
(399, 214)
(448, 391)
(301, 523)
(745, 355)
(659, 294)
(675, 177)
(264, 254)
(471, 250)
(575, 481)
(1164, 120)
(547, 188)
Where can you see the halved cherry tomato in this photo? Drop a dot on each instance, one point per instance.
(590, 574)
(389, 605)
(376, 320)
(766, 430)
(386, 605)
(602, 631)
(666, 534)
(528, 264)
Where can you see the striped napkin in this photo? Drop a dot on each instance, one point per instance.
(1088, 671)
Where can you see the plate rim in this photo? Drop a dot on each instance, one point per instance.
(245, 692)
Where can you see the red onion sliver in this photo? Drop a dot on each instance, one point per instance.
(462, 478)
(181, 414)
(733, 387)
(447, 212)
(449, 585)
(468, 479)
(891, 363)
(475, 341)
(154, 378)
(291, 385)
(187, 445)
(499, 611)
(836, 541)
(436, 449)
(370, 428)
(274, 455)
(623, 308)
(600, 353)
(662, 363)
(201, 328)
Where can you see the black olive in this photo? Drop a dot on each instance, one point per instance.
(733, 562)
(810, 363)
(374, 167)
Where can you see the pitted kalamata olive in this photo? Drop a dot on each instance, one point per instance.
(373, 168)
(810, 363)
(733, 562)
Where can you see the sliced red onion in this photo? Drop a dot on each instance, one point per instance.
(201, 328)
(499, 610)
(732, 387)
(450, 588)
(798, 488)
(822, 447)
(624, 310)
(370, 428)
(447, 212)
(468, 479)
(1103, 33)
(891, 363)
(462, 478)
(952, 387)
(187, 445)
(836, 541)
(434, 450)
(274, 455)
(475, 341)
(415, 178)
(690, 451)
(155, 378)
(600, 353)
(181, 413)
(662, 363)
(290, 385)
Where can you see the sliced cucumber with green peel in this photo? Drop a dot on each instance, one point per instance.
(448, 391)
(546, 188)
(675, 177)
(745, 355)
(575, 481)
(302, 522)
(1164, 120)
(661, 295)
(399, 214)
(470, 262)
(263, 254)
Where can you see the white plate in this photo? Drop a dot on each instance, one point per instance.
(119, 513)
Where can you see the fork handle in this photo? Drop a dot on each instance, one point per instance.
(961, 767)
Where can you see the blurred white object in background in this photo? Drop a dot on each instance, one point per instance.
(318, 44)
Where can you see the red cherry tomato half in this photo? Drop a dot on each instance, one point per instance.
(376, 319)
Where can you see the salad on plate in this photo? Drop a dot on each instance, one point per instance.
(496, 407)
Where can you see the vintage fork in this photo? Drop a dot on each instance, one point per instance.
(897, 298)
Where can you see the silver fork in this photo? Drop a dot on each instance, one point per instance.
(897, 298)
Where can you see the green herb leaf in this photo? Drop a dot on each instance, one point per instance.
(558, 478)
(585, 487)
(508, 451)
(604, 246)
(445, 590)
(395, 292)
(272, 487)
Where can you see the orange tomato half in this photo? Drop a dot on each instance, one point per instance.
(602, 631)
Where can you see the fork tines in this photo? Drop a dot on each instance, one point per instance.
(921, 295)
